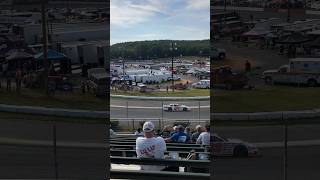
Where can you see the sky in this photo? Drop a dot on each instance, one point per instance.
(137, 20)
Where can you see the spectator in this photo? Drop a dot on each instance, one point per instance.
(179, 136)
(204, 137)
(138, 132)
(4, 68)
(8, 82)
(188, 132)
(174, 130)
(150, 146)
(165, 133)
(248, 66)
(83, 86)
(112, 133)
(18, 79)
(195, 135)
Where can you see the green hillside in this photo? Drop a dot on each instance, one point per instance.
(159, 49)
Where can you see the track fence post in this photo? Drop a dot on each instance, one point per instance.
(199, 117)
(285, 147)
(162, 110)
(54, 133)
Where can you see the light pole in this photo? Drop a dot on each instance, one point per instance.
(289, 9)
(122, 58)
(173, 49)
(45, 44)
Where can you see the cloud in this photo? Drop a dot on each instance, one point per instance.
(133, 20)
(198, 4)
(128, 12)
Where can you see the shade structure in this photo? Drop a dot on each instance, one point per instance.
(256, 32)
(314, 43)
(52, 55)
(295, 38)
(18, 54)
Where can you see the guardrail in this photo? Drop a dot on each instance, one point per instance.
(304, 114)
(160, 162)
(205, 164)
(120, 174)
(198, 98)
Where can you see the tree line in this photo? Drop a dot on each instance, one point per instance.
(159, 49)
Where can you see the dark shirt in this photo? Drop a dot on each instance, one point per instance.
(179, 137)
(165, 134)
(195, 136)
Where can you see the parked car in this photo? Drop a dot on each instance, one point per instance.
(218, 54)
(98, 84)
(203, 84)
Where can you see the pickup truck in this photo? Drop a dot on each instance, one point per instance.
(301, 71)
(223, 77)
(218, 54)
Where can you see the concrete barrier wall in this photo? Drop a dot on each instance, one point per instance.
(305, 114)
(74, 113)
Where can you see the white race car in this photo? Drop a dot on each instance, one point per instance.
(176, 108)
(233, 147)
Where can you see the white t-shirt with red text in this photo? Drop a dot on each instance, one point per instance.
(151, 148)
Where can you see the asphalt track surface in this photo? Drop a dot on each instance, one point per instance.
(152, 109)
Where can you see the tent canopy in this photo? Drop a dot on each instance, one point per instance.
(313, 44)
(295, 38)
(18, 54)
(52, 55)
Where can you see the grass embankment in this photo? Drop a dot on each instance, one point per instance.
(67, 100)
(267, 98)
(176, 93)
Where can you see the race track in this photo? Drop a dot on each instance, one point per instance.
(121, 108)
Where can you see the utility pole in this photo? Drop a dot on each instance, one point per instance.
(225, 12)
(45, 44)
(173, 49)
(123, 67)
(288, 9)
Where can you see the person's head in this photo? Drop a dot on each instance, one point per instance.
(167, 128)
(148, 129)
(198, 128)
(180, 128)
(139, 130)
(188, 130)
(174, 128)
(207, 128)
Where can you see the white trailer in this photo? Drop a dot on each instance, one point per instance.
(305, 65)
(298, 71)
(89, 53)
(71, 51)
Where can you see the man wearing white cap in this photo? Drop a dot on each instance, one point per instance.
(150, 146)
